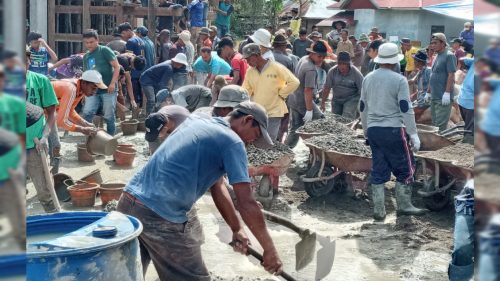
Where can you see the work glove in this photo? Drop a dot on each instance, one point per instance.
(415, 142)
(427, 97)
(308, 117)
(446, 99)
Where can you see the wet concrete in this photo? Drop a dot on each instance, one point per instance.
(351, 246)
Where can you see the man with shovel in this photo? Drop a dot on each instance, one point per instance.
(191, 161)
(70, 93)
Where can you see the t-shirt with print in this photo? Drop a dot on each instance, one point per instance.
(344, 86)
(39, 90)
(216, 66)
(238, 63)
(187, 164)
(100, 60)
(444, 64)
(39, 60)
(12, 114)
(307, 74)
(136, 46)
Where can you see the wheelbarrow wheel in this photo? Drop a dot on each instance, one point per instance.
(340, 183)
(319, 188)
(439, 201)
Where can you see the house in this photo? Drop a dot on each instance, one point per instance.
(397, 19)
(311, 12)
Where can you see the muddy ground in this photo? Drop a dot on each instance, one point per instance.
(350, 246)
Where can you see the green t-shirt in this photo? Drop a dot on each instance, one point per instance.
(10, 153)
(224, 20)
(39, 91)
(100, 60)
(35, 131)
(12, 114)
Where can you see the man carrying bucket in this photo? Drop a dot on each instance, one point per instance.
(70, 93)
(191, 161)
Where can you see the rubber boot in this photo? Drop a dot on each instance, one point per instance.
(460, 273)
(378, 198)
(403, 200)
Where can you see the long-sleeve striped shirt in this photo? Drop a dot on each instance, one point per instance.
(69, 95)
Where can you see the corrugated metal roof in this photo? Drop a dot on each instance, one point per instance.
(318, 10)
(387, 4)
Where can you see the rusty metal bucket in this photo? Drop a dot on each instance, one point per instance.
(102, 143)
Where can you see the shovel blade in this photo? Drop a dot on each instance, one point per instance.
(305, 250)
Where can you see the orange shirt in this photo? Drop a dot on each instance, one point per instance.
(68, 94)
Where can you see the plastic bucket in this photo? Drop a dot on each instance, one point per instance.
(61, 184)
(124, 156)
(93, 177)
(101, 144)
(129, 127)
(83, 194)
(110, 191)
(89, 257)
(141, 127)
(13, 267)
(83, 153)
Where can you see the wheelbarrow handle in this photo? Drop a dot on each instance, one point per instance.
(259, 257)
(452, 129)
(283, 221)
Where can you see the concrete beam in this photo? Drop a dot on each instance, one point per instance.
(14, 24)
(38, 16)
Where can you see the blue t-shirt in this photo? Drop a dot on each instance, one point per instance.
(466, 98)
(216, 66)
(158, 75)
(136, 46)
(149, 52)
(491, 121)
(187, 164)
(196, 10)
(39, 61)
(221, 19)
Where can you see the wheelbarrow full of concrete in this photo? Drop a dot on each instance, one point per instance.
(269, 181)
(431, 140)
(331, 170)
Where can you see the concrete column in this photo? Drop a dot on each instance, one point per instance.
(14, 25)
(38, 16)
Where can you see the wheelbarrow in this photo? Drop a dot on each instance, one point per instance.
(440, 176)
(431, 140)
(269, 183)
(331, 170)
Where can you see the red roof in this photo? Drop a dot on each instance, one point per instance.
(385, 4)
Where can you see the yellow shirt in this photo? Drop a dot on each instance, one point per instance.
(410, 61)
(270, 87)
(295, 26)
(345, 46)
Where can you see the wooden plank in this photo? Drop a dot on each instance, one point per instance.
(79, 38)
(51, 22)
(137, 11)
(151, 18)
(86, 15)
(119, 11)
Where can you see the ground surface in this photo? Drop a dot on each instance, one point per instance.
(350, 246)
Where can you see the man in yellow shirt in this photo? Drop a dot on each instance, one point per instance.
(268, 83)
(295, 22)
(408, 51)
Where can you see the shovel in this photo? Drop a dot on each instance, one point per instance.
(305, 250)
(258, 256)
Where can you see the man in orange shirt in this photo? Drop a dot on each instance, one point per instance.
(70, 93)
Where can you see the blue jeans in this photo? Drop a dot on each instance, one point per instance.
(222, 30)
(461, 267)
(489, 256)
(108, 103)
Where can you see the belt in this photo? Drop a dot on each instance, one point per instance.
(133, 198)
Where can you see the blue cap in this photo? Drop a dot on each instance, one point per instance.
(142, 30)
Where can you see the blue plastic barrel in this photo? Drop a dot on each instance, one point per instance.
(13, 267)
(83, 246)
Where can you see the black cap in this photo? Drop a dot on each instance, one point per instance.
(457, 40)
(154, 123)
(319, 48)
(421, 55)
(303, 31)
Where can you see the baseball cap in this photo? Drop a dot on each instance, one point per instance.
(421, 55)
(156, 121)
(231, 96)
(142, 30)
(204, 30)
(316, 34)
(250, 50)
(343, 57)
(456, 40)
(95, 77)
(441, 37)
(259, 114)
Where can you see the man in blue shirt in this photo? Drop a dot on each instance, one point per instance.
(466, 100)
(196, 12)
(158, 77)
(490, 124)
(209, 62)
(223, 20)
(189, 162)
(136, 46)
(149, 46)
(467, 37)
(41, 53)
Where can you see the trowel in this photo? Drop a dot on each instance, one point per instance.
(305, 250)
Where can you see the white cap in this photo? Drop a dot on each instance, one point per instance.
(95, 77)
(185, 36)
(388, 53)
(181, 58)
(262, 37)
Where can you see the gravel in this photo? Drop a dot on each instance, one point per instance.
(461, 154)
(341, 143)
(331, 124)
(259, 157)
